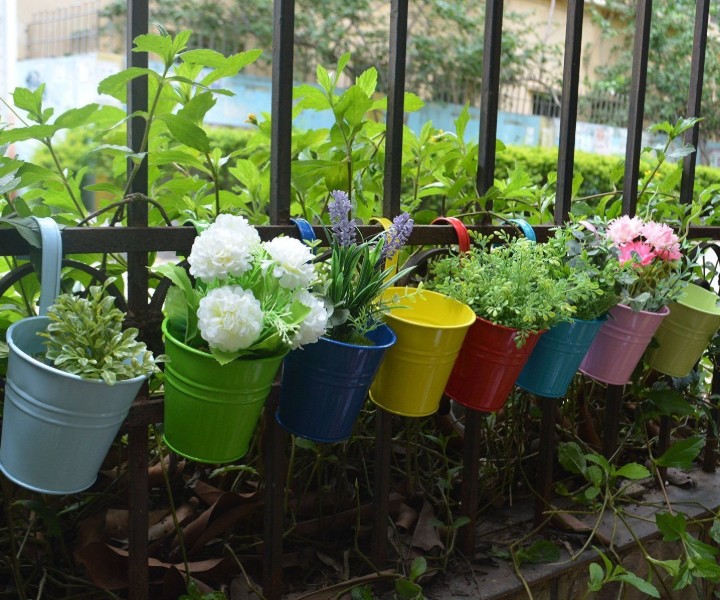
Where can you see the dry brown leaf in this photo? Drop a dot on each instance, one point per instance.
(426, 536)
(166, 526)
(406, 519)
(568, 522)
(222, 516)
(107, 567)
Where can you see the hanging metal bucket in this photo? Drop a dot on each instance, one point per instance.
(430, 329)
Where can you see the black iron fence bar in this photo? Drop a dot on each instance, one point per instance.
(568, 108)
(392, 185)
(489, 95)
(697, 69)
(396, 107)
(637, 105)
(138, 501)
(281, 110)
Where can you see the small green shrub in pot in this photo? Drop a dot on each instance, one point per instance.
(511, 282)
(85, 338)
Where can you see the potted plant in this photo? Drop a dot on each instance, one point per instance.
(655, 276)
(325, 385)
(589, 262)
(72, 376)
(516, 295)
(227, 331)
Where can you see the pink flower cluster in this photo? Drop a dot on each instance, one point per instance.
(642, 242)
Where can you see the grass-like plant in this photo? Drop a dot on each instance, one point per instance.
(85, 338)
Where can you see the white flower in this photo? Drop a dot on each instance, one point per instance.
(290, 262)
(314, 324)
(225, 248)
(239, 227)
(230, 318)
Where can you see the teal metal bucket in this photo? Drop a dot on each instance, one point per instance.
(557, 356)
(57, 428)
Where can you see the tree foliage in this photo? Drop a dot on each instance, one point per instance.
(668, 72)
(444, 51)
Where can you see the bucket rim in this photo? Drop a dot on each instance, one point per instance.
(471, 316)
(509, 329)
(54, 370)
(207, 355)
(355, 346)
(700, 290)
(662, 312)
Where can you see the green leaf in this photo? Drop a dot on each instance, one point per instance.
(640, 584)
(672, 527)
(311, 97)
(116, 85)
(418, 568)
(633, 471)
(27, 228)
(715, 531)
(407, 590)
(76, 116)
(162, 45)
(597, 575)
(33, 132)
(412, 102)
(353, 106)
(30, 101)
(204, 57)
(669, 402)
(247, 173)
(682, 454)
(197, 107)
(571, 458)
(541, 551)
(367, 81)
(186, 132)
(342, 63)
(323, 79)
(48, 516)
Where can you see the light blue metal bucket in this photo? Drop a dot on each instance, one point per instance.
(57, 428)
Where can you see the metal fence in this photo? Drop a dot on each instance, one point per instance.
(75, 29)
(137, 239)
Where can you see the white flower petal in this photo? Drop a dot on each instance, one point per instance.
(230, 318)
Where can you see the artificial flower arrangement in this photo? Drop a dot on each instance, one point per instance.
(325, 385)
(655, 272)
(356, 276)
(250, 299)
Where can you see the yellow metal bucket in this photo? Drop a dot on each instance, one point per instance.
(430, 329)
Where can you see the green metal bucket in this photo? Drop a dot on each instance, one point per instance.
(210, 409)
(686, 332)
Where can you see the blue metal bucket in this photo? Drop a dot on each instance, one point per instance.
(557, 356)
(324, 386)
(57, 427)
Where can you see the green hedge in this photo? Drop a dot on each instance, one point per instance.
(600, 173)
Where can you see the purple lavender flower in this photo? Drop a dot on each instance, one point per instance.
(397, 235)
(344, 229)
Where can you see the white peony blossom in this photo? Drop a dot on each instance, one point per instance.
(230, 318)
(221, 251)
(239, 227)
(290, 262)
(314, 324)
